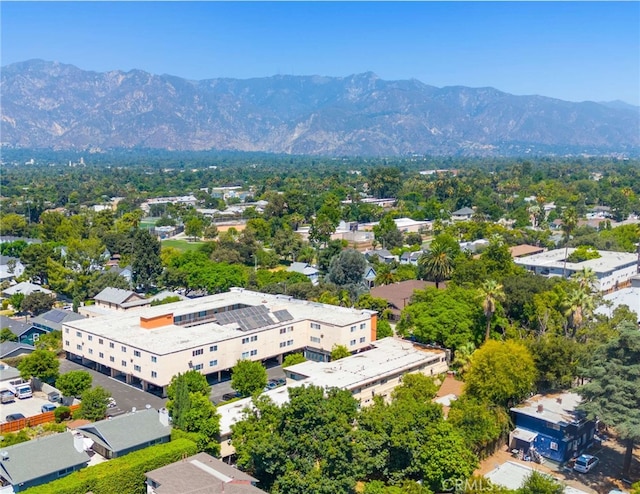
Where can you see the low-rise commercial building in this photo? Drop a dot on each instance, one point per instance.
(614, 270)
(150, 345)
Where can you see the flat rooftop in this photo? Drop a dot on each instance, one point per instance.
(124, 327)
(609, 261)
(388, 356)
(555, 408)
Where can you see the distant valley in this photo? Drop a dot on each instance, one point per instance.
(56, 106)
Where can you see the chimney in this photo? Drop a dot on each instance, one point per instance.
(559, 400)
(78, 442)
(163, 416)
(540, 408)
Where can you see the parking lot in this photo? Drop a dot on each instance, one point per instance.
(27, 407)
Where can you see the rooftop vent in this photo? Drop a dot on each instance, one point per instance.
(540, 409)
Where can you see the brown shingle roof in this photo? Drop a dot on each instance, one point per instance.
(525, 250)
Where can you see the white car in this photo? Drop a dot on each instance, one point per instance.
(585, 463)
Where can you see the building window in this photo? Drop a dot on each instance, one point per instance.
(124, 363)
(213, 363)
(363, 325)
(213, 348)
(66, 330)
(90, 351)
(352, 342)
(90, 338)
(353, 328)
(245, 354)
(154, 374)
(283, 330)
(154, 359)
(197, 352)
(124, 349)
(363, 339)
(78, 347)
(283, 344)
(554, 446)
(315, 325)
(136, 368)
(315, 340)
(78, 334)
(254, 338)
(136, 353)
(245, 340)
(112, 359)
(198, 367)
(100, 341)
(254, 352)
(289, 342)
(111, 345)
(101, 355)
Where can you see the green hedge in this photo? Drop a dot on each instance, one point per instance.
(120, 475)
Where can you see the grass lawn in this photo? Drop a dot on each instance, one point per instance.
(183, 245)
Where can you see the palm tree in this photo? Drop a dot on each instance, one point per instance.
(462, 357)
(586, 278)
(437, 262)
(569, 223)
(579, 307)
(385, 276)
(491, 292)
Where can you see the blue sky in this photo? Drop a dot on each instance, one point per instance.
(570, 50)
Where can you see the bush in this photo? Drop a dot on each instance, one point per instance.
(583, 253)
(125, 474)
(62, 413)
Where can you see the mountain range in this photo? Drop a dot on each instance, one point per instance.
(59, 106)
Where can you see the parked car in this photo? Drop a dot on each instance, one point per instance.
(281, 381)
(48, 407)
(585, 463)
(7, 396)
(14, 416)
(230, 396)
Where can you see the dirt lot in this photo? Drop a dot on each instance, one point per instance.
(607, 475)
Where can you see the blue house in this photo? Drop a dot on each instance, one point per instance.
(552, 426)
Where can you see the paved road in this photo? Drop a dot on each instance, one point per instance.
(126, 396)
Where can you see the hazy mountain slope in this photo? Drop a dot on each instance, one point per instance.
(53, 105)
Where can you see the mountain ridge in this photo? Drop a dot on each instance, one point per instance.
(59, 106)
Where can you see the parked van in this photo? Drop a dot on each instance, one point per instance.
(21, 391)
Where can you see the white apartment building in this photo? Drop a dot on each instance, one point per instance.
(614, 270)
(375, 372)
(150, 345)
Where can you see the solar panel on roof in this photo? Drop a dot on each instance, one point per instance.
(247, 318)
(56, 316)
(283, 315)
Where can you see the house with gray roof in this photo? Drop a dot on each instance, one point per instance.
(40, 461)
(306, 269)
(18, 328)
(52, 320)
(201, 473)
(117, 436)
(25, 288)
(462, 214)
(10, 349)
(119, 299)
(10, 268)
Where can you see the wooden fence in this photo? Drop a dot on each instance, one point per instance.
(43, 418)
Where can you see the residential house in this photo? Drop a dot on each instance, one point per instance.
(25, 288)
(399, 294)
(369, 276)
(552, 426)
(53, 320)
(126, 272)
(463, 214)
(629, 296)
(40, 461)
(525, 250)
(10, 349)
(411, 257)
(21, 329)
(5, 239)
(202, 474)
(382, 256)
(119, 299)
(10, 268)
(306, 269)
(117, 436)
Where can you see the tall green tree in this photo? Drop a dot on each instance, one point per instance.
(74, 383)
(93, 404)
(613, 391)
(145, 259)
(540, 483)
(339, 351)
(248, 377)
(387, 234)
(491, 293)
(501, 372)
(42, 364)
(37, 303)
(347, 268)
(437, 263)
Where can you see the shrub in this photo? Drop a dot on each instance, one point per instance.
(125, 474)
(583, 253)
(62, 413)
